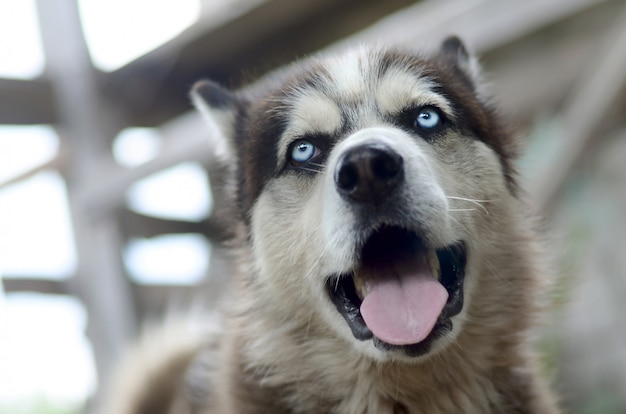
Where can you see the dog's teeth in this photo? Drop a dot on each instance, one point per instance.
(433, 263)
(360, 287)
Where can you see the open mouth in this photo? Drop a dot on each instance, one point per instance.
(403, 293)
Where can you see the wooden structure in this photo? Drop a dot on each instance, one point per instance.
(562, 57)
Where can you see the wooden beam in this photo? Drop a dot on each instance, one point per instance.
(138, 225)
(521, 76)
(36, 285)
(57, 163)
(484, 24)
(26, 102)
(86, 124)
(156, 299)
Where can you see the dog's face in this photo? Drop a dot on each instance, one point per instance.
(366, 181)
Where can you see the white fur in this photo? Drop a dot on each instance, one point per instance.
(220, 124)
(347, 74)
(398, 89)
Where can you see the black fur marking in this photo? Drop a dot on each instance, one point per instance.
(454, 48)
(214, 94)
(256, 144)
(475, 116)
(344, 296)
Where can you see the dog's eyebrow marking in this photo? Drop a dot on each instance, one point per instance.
(312, 113)
(399, 87)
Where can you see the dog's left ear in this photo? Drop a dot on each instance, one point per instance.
(454, 52)
(220, 109)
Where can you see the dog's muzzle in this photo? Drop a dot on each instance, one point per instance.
(402, 292)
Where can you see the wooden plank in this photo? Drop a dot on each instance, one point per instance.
(157, 298)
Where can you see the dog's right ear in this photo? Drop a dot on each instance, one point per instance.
(219, 107)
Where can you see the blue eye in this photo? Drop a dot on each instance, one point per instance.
(428, 118)
(302, 151)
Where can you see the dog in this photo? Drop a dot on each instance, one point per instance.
(387, 262)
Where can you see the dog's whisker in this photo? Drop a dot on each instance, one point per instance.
(477, 202)
(316, 262)
(473, 200)
(313, 170)
(336, 284)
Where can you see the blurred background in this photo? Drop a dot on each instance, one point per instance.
(105, 197)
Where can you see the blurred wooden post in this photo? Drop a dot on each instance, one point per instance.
(85, 126)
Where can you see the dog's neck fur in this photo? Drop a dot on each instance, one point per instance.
(490, 367)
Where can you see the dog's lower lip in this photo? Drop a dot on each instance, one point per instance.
(348, 303)
(344, 295)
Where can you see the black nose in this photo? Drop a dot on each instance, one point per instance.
(369, 173)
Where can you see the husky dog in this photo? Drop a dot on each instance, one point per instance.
(388, 263)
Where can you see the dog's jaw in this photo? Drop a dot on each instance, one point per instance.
(347, 292)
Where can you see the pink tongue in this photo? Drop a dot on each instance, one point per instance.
(403, 300)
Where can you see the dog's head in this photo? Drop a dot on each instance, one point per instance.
(366, 181)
